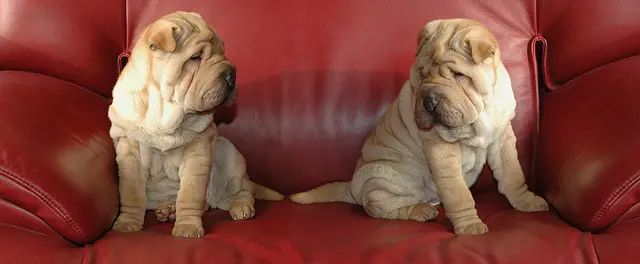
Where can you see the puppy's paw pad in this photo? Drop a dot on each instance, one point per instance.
(188, 230)
(166, 212)
(535, 204)
(242, 211)
(472, 229)
(423, 213)
(123, 226)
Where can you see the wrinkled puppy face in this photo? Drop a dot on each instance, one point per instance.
(187, 62)
(454, 72)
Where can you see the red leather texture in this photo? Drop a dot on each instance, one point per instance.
(619, 244)
(584, 35)
(587, 152)
(20, 246)
(19, 217)
(285, 232)
(57, 160)
(314, 76)
(74, 40)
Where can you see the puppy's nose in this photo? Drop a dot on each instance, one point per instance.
(229, 76)
(430, 102)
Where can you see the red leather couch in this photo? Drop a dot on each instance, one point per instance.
(313, 76)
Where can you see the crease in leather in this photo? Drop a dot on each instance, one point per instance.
(58, 78)
(598, 68)
(533, 60)
(51, 204)
(552, 86)
(123, 55)
(622, 190)
(625, 217)
(25, 229)
(546, 80)
(27, 223)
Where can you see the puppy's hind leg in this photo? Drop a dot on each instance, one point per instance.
(394, 199)
(166, 211)
(242, 206)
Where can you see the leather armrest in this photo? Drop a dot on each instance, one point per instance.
(588, 149)
(56, 157)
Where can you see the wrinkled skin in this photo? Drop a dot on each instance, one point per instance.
(169, 155)
(452, 115)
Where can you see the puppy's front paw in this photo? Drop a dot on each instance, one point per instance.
(533, 204)
(242, 211)
(126, 226)
(476, 228)
(188, 230)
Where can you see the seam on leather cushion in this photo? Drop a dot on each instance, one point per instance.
(548, 84)
(50, 203)
(620, 192)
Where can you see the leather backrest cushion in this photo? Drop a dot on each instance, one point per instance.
(588, 166)
(57, 159)
(584, 35)
(74, 40)
(314, 76)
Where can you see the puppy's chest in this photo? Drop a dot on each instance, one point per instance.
(162, 164)
(473, 158)
(473, 151)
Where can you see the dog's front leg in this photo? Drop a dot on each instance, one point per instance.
(503, 160)
(132, 186)
(445, 164)
(194, 172)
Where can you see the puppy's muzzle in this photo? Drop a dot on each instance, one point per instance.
(220, 87)
(438, 104)
(229, 77)
(430, 103)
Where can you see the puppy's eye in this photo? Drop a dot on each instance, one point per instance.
(196, 57)
(456, 74)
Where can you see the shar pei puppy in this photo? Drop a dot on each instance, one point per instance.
(451, 117)
(170, 157)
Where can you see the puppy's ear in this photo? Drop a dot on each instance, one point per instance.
(426, 33)
(481, 49)
(161, 35)
(481, 43)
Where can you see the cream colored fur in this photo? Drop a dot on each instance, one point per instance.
(452, 115)
(169, 155)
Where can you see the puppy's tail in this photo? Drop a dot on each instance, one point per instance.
(330, 192)
(261, 192)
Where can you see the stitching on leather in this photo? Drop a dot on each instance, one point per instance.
(51, 203)
(36, 216)
(616, 196)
